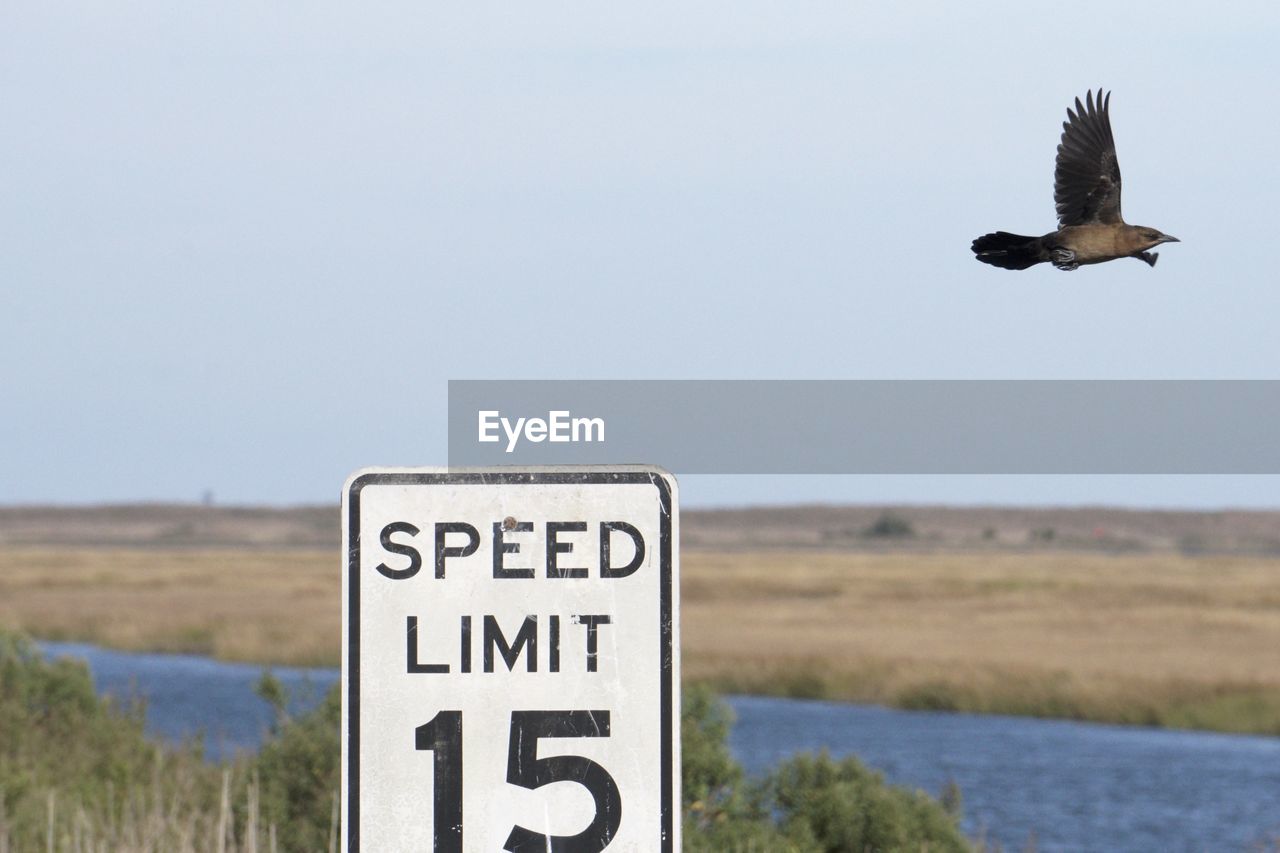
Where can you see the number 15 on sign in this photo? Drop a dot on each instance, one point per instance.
(510, 665)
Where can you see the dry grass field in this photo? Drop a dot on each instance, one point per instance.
(269, 606)
(1149, 636)
(1153, 638)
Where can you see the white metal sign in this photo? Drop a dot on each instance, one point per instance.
(510, 660)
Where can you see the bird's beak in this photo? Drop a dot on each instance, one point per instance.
(1165, 238)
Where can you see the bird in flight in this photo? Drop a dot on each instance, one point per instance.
(1086, 189)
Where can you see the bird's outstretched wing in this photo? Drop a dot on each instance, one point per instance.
(1086, 180)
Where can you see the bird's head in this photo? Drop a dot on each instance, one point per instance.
(1150, 237)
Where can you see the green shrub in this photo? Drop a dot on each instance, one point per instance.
(298, 770)
(720, 812)
(710, 776)
(890, 526)
(810, 804)
(75, 767)
(835, 806)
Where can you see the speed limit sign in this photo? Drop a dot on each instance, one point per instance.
(510, 660)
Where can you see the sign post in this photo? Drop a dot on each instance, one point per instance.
(510, 660)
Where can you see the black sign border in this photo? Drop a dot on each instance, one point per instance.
(621, 476)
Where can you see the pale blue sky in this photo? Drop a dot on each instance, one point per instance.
(243, 248)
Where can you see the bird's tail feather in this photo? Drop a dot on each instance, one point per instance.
(1008, 251)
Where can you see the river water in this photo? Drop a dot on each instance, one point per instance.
(1069, 786)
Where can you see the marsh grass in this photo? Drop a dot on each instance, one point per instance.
(151, 818)
(276, 606)
(1150, 639)
(77, 774)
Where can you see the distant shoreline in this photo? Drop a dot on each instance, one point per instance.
(791, 527)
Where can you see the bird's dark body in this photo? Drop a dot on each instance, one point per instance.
(1087, 195)
(1066, 248)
